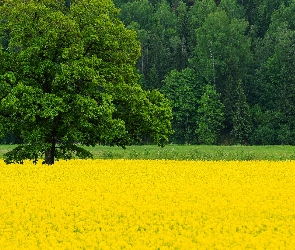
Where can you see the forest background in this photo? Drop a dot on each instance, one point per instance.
(226, 66)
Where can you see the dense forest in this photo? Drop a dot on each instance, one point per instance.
(228, 67)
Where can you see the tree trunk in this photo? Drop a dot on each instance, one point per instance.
(49, 154)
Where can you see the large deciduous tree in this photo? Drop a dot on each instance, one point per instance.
(67, 78)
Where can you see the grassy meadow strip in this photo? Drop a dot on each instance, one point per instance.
(148, 204)
(196, 152)
(188, 152)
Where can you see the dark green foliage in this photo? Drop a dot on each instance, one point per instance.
(68, 77)
(242, 120)
(10, 139)
(222, 55)
(233, 10)
(273, 129)
(275, 86)
(222, 52)
(184, 89)
(210, 116)
(245, 48)
(197, 15)
(137, 11)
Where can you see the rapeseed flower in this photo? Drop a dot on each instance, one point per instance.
(145, 204)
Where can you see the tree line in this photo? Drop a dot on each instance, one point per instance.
(82, 72)
(227, 66)
(68, 78)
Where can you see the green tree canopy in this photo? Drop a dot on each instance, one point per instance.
(222, 56)
(242, 121)
(184, 89)
(275, 86)
(210, 116)
(67, 78)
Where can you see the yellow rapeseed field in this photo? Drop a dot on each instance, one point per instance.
(145, 204)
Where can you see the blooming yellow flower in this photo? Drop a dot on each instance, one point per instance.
(145, 204)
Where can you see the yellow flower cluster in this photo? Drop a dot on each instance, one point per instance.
(144, 204)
